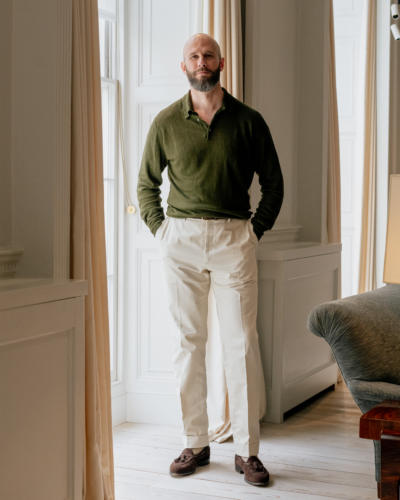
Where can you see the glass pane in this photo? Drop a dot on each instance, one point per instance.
(102, 24)
(110, 33)
(107, 47)
(109, 218)
(109, 128)
(110, 6)
(110, 284)
(106, 127)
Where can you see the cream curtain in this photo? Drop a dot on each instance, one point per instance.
(88, 259)
(394, 107)
(367, 276)
(222, 20)
(333, 198)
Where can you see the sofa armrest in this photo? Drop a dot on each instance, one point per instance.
(364, 334)
(368, 394)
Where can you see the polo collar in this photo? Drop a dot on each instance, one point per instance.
(187, 104)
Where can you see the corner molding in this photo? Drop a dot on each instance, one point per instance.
(9, 258)
(282, 233)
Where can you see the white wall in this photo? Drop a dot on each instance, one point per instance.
(285, 68)
(312, 117)
(270, 77)
(34, 128)
(5, 122)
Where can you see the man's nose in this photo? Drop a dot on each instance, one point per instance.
(202, 61)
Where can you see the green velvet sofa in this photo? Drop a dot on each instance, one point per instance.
(363, 332)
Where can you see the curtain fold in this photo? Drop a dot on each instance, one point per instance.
(367, 276)
(333, 222)
(333, 198)
(222, 20)
(394, 108)
(87, 252)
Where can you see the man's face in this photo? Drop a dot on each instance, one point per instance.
(202, 63)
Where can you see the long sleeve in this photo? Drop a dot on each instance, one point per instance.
(150, 179)
(271, 182)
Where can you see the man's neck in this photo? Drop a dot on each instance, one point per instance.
(207, 103)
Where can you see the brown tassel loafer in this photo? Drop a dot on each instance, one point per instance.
(254, 471)
(187, 462)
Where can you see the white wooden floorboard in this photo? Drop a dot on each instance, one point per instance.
(315, 454)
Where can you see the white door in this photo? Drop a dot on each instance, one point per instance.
(156, 31)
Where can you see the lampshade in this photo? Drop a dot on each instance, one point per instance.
(391, 271)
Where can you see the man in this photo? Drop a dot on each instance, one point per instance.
(212, 145)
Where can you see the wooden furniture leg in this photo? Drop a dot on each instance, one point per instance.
(390, 468)
(382, 423)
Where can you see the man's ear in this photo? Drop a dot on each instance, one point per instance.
(221, 63)
(183, 67)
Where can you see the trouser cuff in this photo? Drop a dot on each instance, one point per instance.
(196, 441)
(247, 449)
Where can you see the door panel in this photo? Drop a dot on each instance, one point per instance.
(155, 38)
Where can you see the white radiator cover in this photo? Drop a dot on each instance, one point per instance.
(293, 278)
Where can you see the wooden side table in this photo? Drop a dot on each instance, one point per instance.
(382, 423)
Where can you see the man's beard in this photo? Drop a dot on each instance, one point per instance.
(205, 83)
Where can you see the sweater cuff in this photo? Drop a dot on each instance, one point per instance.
(154, 227)
(258, 229)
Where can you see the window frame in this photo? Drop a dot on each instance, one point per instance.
(116, 64)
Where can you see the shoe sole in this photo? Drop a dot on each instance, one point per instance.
(239, 469)
(206, 461)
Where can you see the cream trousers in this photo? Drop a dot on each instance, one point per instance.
(220, 253)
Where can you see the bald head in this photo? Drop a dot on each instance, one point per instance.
(202, 62)
(200, 38)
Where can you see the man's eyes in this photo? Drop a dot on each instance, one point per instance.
(196, 56)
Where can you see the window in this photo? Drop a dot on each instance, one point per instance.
(109, 86)
(350, 44)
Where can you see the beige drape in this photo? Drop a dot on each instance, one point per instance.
(333, 198)
(88, 259)
(394, 107)
(223, 21)
(367, 276)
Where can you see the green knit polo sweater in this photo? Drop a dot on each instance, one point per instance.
(210, 167)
